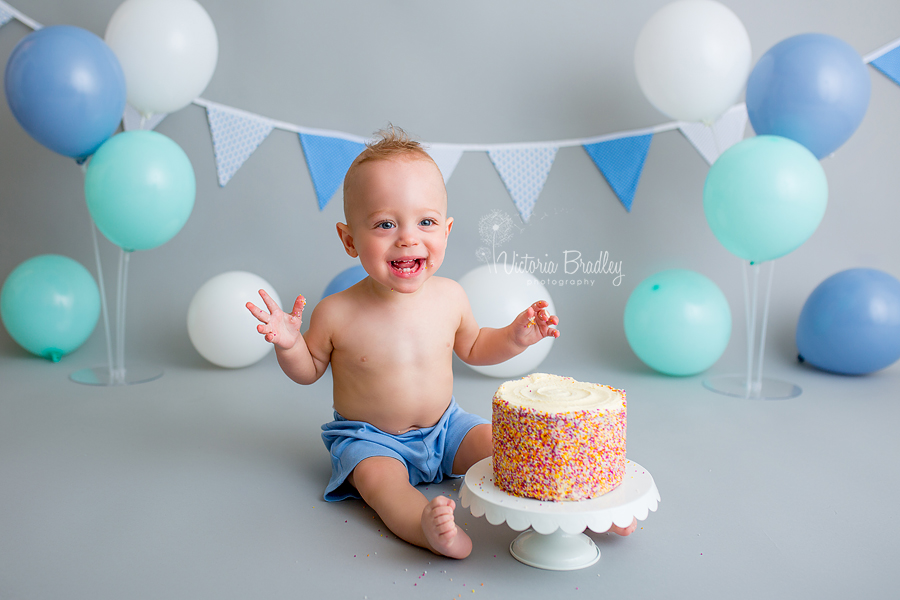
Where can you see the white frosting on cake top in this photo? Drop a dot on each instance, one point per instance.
(555, 394)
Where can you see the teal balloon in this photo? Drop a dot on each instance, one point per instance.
(140, 189)
(764, 197)
(678, 322)
(49, 305)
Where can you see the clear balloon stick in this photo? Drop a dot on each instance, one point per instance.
(104, 307)
(762, 333)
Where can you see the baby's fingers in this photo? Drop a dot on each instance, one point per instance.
(299, 305)
(270, 304)
(258, 312)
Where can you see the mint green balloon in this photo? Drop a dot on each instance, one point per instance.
(50, 304)
(140, 189)
(678, 322)
(764, 197)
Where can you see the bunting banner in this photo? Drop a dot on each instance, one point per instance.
(712, 141)
(523, 167)
(889, 63)
(328, 159)
(235, 136)
(621, 162)
(445, 157)
(524, 172)
(5, 15)
(132, 119)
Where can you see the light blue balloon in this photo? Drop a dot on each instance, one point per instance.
(764, 197)
(345, 279)
(678, 322)
(140, 189)
(49, 305)
(66, 89)
(850, 324)
(811, 88)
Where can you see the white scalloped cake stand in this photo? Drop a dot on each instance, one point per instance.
(556, 540)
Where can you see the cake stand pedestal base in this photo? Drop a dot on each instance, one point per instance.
(555, 540)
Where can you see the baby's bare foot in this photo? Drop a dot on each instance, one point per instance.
(441, 531)
(624, 530)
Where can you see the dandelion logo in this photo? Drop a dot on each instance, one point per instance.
(495, 229)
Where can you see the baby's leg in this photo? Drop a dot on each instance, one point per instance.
(477, 444)
(383, 483)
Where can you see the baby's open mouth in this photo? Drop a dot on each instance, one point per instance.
(408, 266)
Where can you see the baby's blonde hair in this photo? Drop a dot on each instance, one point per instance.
(389, 143)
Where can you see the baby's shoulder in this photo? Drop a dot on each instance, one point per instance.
(448, 289)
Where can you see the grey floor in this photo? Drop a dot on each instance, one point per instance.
(207, 483)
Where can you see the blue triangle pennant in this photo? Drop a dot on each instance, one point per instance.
(328, 159)
(889, 64)
(621, 161)
(524, 172)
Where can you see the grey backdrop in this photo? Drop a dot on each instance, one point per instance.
(207, 483)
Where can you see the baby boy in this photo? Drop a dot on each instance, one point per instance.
(390, 340)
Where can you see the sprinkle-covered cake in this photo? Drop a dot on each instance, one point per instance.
(558, 439)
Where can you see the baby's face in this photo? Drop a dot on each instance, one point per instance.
(397, 221)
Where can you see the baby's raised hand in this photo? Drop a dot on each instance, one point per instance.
(280, 328)
(535, 323)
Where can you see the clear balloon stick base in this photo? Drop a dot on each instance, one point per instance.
(752, 384)
(115, 372)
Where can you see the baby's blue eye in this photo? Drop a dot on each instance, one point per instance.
(385, 225)
(427, 222)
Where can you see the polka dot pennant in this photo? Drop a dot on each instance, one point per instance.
(5, 16)
(889, 64)
(235, 135)
(621, 161)
(328, 159)
(524, 172)
(712, 140)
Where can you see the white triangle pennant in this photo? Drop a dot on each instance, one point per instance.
(236, 135)
(446, 157)
(5, 15)
(524, 171)
(712, 141)
(132, 119)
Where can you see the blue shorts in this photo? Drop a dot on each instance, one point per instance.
(427, 453)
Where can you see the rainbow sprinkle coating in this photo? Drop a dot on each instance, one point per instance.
(563, 456)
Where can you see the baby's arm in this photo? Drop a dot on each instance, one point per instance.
(488, 346)
(283, 331)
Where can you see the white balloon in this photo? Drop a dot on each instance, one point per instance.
(221, 328)
(496, 299)
(168, 50)
(692, 59)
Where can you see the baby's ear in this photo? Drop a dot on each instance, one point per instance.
(343, 231)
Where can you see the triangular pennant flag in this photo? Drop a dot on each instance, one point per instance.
(524, 172)
(712, 141)
(132, 119)
(621, 161)
(5, 15)
(889, 64)
(328, 159)
(446, 158)
(235, 135)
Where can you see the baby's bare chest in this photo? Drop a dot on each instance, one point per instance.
(395, 339)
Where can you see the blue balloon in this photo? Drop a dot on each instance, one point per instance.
(49, 305)
(66, 88)
(850, 324)
(811, 88)
(678, 322)
(140, 189)
(345, 279)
